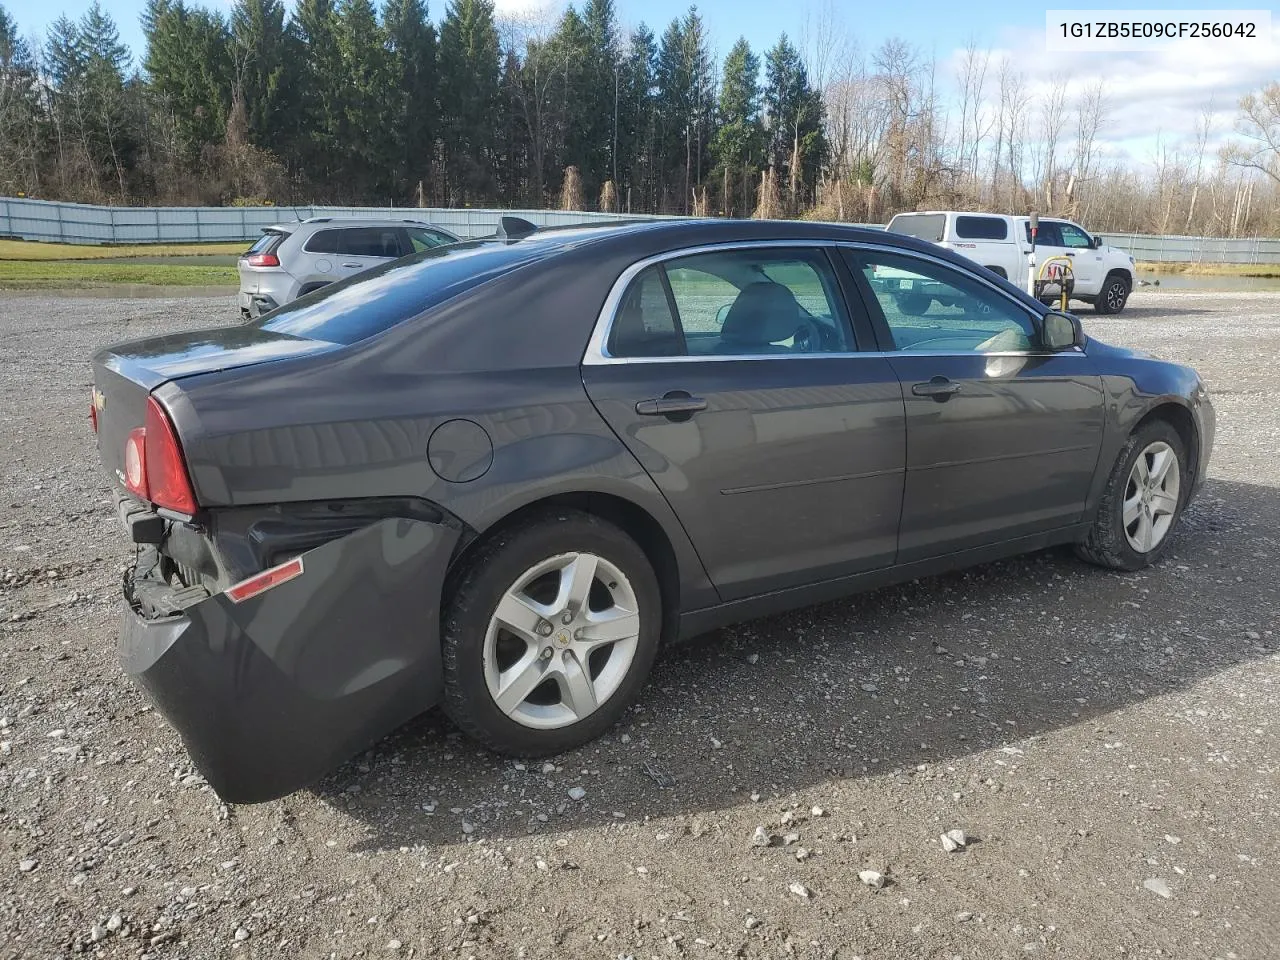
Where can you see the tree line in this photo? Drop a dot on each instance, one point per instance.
(345, 102)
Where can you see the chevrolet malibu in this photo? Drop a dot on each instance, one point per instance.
(498, 476)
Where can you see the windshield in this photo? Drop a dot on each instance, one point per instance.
(922, 226)
(378, 299)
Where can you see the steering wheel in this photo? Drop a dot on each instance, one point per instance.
(808, 337)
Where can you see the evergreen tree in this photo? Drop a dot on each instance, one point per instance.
(265, 76)
(188, 67)
(637, 128)
(469, 76)
(414, 112)
(794, 112)
(320, 71)
(739, 142)
(20, 133)
(364, 126)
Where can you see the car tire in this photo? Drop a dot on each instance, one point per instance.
(914, 304)
(1118, 545)
(485, 660)
(1113, 296)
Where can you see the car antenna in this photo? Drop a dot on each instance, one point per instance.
(514, 228)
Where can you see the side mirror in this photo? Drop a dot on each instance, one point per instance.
(1061, 331)
(1097, 242)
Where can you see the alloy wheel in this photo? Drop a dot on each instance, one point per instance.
(561, 640)
(1151, 497)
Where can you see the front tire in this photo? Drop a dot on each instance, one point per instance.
(1142, 502)
(1113, 296)
(552, 631)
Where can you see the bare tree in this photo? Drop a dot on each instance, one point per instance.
(1259, 124)
(1091, 117)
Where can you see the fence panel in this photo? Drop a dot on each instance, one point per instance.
(86, 223)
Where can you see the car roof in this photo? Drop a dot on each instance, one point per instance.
(322, 222)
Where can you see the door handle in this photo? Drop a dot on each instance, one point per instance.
(1070, 254)
(681, 406)
(353, 264)
(940, 388)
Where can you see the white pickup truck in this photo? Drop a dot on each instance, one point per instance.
(1103, 274)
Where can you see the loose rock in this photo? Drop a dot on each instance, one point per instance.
(1158, 886)
(872, 878)
(800, 890)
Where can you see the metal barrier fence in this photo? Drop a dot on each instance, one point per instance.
(86, 223)
(1245, 250)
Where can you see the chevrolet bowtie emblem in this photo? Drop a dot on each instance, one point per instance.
(99, 400)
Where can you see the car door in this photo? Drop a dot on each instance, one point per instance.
(1086, 262)
(1002, 435)
(360, 248)
(735, 378)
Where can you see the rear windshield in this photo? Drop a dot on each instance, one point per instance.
(378, 299)
(923, 226)
(982, 228)
(265, 242)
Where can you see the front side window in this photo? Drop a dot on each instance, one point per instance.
(934, 308)
(747, 303)
(1073, 236)
(421, 238)
(922, 226)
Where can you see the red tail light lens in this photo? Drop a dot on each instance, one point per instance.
(262, 260)
(93, 412)
(166, 472)
(153, 466)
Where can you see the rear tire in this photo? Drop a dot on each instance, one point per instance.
(914, 304)
(521, 678)
(1119, 537)
(1113, 296)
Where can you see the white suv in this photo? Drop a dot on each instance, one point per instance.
(1103, 274)
(290, 260)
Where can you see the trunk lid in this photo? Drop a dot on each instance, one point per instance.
(125, 375)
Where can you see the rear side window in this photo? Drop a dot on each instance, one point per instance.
(922, 226)
(982, 228)
(644, 325)
(376, 300)
(370, 242)
(323, 241)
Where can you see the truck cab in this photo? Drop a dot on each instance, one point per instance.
(1103, 275)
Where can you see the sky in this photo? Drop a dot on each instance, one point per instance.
(1155, 99)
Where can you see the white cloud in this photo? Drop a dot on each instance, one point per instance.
(1156, 94)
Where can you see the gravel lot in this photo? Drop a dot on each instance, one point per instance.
(1107, 743)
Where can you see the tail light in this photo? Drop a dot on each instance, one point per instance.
(262, 260)
(153, 465)
(93, 410)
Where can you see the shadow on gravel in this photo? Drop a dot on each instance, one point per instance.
(921, 673)
(1142, 311)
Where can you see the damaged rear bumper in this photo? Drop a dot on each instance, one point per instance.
(272, 693)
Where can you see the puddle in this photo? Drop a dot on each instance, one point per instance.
(1191, 281)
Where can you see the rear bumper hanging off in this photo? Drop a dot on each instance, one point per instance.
(272, 693)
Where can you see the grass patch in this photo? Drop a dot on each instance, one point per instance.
(78, 274)
(28, 250)
(1213, 269)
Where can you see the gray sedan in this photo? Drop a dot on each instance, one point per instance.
(497, 476)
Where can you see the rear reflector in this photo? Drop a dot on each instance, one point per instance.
(262, 260)
(264, 581)
(135, 462)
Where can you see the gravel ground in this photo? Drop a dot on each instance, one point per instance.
(1105, 742)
